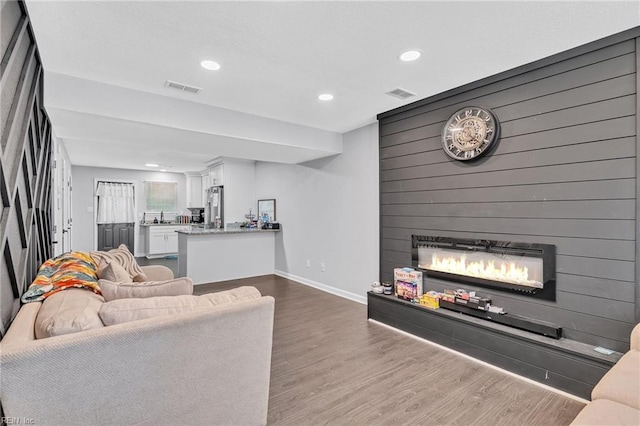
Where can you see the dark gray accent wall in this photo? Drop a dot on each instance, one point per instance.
(564, 172)
(25, 161)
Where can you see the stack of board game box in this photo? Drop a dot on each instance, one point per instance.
(408, 283)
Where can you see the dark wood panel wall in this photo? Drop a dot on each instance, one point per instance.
(564, 172)
(25, 161)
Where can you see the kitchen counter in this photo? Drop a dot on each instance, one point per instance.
(207, 231)
(165, 224)
(208, 255)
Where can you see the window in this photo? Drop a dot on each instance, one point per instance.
(161, 196)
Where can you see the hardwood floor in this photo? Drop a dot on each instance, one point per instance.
(331, 366)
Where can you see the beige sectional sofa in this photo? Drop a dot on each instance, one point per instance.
(616, 398)
(207, 365)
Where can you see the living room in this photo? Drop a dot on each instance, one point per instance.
(344, 194)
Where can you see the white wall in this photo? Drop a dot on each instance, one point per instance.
(329, 210)
(83, 189)
(239, 179)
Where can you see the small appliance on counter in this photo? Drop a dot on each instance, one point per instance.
(197, 214)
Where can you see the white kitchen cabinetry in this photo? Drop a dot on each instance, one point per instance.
(206, 183)
(162, 240)
(194, 189)
(216, 175)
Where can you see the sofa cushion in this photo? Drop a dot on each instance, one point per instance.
(67, 312)
(176, 287)
(125, 310)
(112, 271)
(605, 412)
(622, 382)
(122, 256)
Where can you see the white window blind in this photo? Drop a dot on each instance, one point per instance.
(161, 196)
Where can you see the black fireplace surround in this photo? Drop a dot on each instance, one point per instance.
(526, 268)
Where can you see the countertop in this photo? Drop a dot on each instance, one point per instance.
(206, 231)
(165, 224)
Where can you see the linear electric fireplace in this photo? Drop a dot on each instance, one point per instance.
(526, 268)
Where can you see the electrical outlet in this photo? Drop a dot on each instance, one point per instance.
(308, 263)
(322, 268)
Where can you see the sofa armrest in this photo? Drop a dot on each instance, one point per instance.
(208, 366)
(157, 272)
(23, 328)
(635, 337)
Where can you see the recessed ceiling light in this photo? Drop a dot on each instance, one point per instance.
(210, 65)
(152, 165)
(410, 55)
(325, 97)
(163, 170)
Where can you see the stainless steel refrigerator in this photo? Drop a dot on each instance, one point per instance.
(215, 205)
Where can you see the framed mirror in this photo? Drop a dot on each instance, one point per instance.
(267, 210)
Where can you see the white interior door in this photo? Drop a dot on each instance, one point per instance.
(62, 199)
(66, 206)
(57, 197)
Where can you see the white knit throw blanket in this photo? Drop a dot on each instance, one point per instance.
(120, 255)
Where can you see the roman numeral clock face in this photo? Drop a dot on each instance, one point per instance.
(469, 133)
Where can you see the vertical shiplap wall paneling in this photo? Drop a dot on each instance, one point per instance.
(564, 172)
(25, 161)
(637, 289)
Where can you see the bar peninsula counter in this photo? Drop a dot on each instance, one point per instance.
(209, 255)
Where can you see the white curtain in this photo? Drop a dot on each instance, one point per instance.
(115, 202)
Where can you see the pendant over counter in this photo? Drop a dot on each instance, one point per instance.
(469, 133)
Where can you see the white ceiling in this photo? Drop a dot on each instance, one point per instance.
(106, 64)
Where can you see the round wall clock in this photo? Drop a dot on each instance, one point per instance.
(469, 133)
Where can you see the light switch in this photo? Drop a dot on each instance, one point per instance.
(90, 209)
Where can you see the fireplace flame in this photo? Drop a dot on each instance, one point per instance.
(508, 272)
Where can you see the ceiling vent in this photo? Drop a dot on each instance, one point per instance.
(400, 93)
(181, 86)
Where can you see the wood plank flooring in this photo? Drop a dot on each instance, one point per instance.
(331, 366)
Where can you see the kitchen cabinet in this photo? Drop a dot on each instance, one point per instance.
(162, 240)
(194, 189)
(216, 175)
(206, 183)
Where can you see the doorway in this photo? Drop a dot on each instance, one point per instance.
(63, 192)
(115, 214)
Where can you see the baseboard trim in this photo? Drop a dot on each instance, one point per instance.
(486, 364)
(326, 288)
